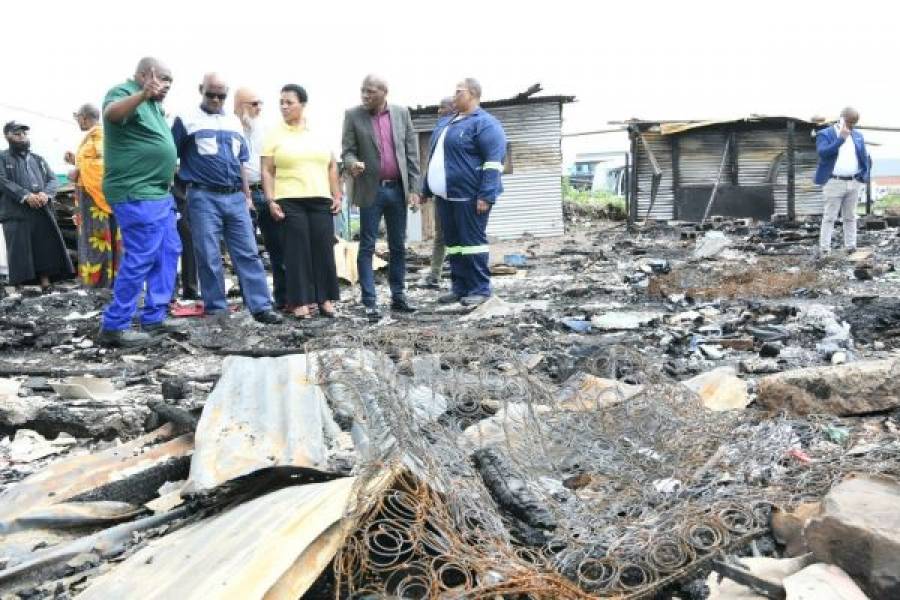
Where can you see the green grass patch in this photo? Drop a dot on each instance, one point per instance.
(590, 201)
(891, 200)
(879, 206)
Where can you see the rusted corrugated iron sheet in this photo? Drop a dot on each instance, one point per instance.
(263, 412)
(272, 412)
(274, 546)
(75, 475)
(670, 128)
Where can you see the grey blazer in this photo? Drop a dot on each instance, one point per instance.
(359, 144)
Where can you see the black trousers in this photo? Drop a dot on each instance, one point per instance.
(190, 281)
(34, 247)
(307, 241)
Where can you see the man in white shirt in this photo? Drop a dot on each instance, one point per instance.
(843, 170)
(247, 107)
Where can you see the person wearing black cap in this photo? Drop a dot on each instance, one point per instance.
(34, 243)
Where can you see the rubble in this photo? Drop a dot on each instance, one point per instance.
(290, 542)
(606, 425)
(617, 321)
(822, 582)
(788, 527)
(857, 388)
(760, 577)
(711, 244)
(720, 389)
(858, 530)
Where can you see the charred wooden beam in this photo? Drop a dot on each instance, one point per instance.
(510, 492)
(742, 576)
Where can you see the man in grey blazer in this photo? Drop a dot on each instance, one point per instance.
(381, 152)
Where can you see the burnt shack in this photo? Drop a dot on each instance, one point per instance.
(757, 167)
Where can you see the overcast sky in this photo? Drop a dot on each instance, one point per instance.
(634, 58)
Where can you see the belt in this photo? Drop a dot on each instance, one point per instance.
(256, 186)
(388, 182)
(844, 177)
(216, 189)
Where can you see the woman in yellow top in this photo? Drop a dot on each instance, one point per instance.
(99, 240)
(300, 181)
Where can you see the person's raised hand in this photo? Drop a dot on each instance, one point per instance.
(153, 86)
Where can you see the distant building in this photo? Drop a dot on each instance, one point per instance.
(885, 177)
(601, 172)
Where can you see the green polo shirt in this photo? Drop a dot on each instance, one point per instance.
(139, 153)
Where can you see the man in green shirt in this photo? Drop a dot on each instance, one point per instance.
(139, 156)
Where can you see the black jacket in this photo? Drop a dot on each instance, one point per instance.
(20, 175)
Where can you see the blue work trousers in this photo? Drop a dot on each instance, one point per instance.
(215, 216)
(466, 240)
(151, 250)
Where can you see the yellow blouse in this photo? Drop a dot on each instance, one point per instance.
(301, 162)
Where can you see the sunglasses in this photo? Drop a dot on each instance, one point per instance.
(214, 96)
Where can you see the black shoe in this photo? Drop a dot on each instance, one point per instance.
(431, 282)
(448, 298)
(328, 314)
(268, 317)
(473, 300)
(164, 326)
(402, 305)
(373, 314)
(124, 338)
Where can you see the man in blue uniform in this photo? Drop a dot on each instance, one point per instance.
(464, 176)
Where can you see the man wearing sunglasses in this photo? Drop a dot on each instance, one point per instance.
(34, 244)
(213, 155)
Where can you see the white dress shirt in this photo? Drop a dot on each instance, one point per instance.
(847, 164)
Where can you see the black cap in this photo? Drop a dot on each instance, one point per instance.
(14, 126)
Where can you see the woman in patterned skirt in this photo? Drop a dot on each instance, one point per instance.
(99, 240)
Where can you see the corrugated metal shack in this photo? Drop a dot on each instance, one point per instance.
(532, 197)
(756, 167)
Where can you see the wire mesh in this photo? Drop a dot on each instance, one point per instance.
(595, 497)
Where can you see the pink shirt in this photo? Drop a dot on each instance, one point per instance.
(384, 136)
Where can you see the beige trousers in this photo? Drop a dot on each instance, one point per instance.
(840, 196)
